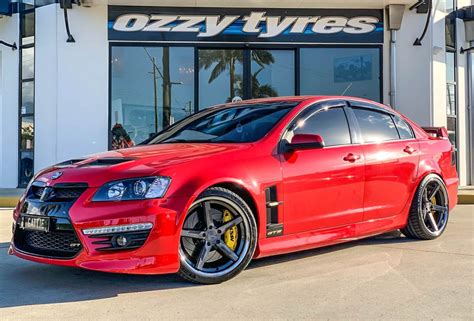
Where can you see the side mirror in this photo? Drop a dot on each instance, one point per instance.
(305, 141)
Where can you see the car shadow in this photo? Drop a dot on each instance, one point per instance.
(25, 283)
(394, 237)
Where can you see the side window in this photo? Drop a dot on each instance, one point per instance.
(404, 129)
(375, 126)
(330, 124)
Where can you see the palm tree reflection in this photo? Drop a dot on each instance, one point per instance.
(228, 60)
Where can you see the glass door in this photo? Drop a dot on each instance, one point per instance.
(221, 76)
(227, 74)
(272, 73)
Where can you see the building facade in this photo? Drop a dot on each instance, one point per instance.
(92, 75)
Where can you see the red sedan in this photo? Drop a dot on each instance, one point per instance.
(241, 181)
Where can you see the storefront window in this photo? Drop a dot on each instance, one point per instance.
(341, 71)
(27, 132)
(152, 87)
(28, 63)
(220, 76)
(273, 73)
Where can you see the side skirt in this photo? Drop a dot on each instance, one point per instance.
(319, 238)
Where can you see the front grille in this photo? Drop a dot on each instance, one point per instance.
(61, 242)
(53, 202)
(68, 193)
(37, 191)
(57, 193)
(51, 244)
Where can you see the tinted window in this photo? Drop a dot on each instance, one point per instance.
(239, 124)
(331, 125)
(151, 89)
(375, 126)
(403, 128)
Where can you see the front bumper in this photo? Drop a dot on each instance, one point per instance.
(157, 255)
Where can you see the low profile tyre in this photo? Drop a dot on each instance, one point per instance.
(429, 211)
(218, 237)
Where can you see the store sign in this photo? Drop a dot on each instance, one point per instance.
(245, 25)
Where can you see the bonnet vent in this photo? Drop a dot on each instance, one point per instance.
(82, 162)
(107, 161)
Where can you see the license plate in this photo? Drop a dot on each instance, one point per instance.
(34, 223)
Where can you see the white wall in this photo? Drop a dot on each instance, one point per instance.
(9, 104)
(414, 70)
(72, 84)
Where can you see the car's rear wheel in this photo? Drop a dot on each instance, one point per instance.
(429, 211)
(218, 237)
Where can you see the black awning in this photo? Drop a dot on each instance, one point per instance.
(466, 13)
(6, 7)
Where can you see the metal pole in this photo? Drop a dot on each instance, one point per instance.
(393, 68)
(470, 116)
(155, 94)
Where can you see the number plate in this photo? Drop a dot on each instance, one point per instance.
(34, 223)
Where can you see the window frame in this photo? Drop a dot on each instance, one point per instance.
(413, 136)
(23, 10)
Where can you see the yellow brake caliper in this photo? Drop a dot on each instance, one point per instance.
(433, 201)
(232, 234)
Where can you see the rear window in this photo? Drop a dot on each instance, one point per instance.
(404, 129)
(375, 126)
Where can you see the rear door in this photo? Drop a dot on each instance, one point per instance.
(323, 187)
(391, 161)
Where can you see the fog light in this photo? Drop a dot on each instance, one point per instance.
(118, 229)
(122, 240)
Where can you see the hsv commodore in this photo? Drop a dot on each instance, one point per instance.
(241, 181)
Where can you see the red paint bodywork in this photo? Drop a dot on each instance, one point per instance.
(326, 199)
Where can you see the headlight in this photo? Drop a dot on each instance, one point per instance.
(133, 189)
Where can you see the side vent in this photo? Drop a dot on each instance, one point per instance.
(274, 227)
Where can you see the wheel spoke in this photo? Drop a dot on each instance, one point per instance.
(432, 221)
(439, 208)
(207, 214)
(230, 224)
(433, 192)
(193, 234)
(203, 256)
(225, 250)
(425, 196)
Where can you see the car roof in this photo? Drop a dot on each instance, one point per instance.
(299, 99)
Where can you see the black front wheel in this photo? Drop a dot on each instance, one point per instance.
(218, 237)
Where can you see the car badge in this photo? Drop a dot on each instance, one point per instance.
(57, 175)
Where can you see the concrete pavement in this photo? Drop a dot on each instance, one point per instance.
(388, 277)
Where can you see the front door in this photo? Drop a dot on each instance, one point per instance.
(323, 187)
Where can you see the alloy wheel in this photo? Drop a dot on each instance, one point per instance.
(215, 237)
(434, 208)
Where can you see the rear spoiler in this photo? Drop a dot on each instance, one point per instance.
(438, 132)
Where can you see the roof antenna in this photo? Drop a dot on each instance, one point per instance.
(347, 88)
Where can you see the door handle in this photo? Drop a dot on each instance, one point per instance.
(351, 158)
(409, 150)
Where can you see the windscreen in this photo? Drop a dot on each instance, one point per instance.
(239, 124)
